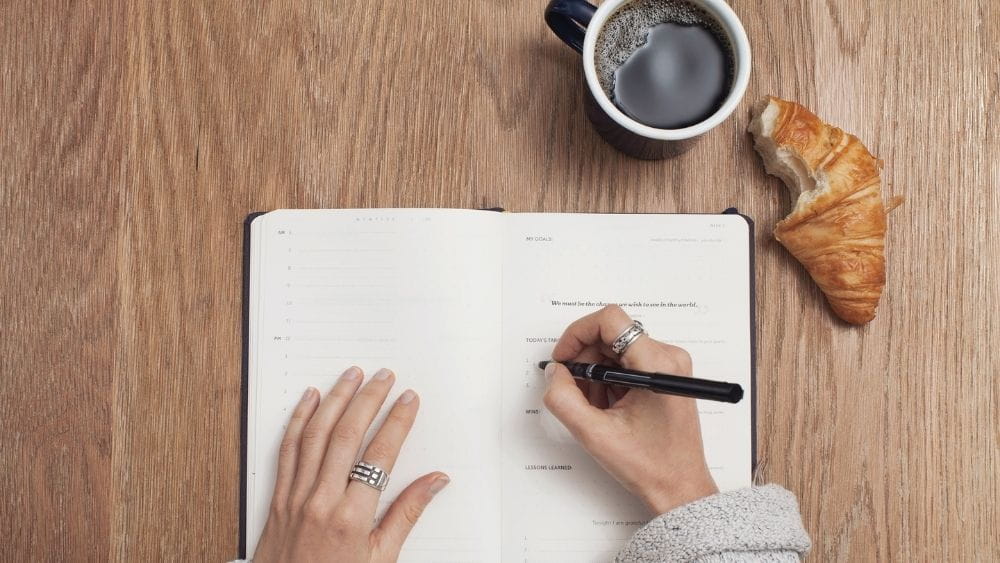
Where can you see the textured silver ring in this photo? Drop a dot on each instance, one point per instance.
(627, 337)
(370, 474)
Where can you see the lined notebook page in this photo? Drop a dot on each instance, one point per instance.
(414, 290)
(686, 277)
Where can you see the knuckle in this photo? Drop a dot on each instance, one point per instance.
(288, 448)
(346, 433)
(344, 519)
(681, 357)
(612, 310)
(341, 395)
(296, 502)
(315, 511)
(312, 434)
(301, 413)
(550, 399)
(412, 512)
(380, 450)
(400, 417)
(555, 401)
(279, 510)
(373, 391)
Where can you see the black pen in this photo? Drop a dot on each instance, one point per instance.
(656, 382)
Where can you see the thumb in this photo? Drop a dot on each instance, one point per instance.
(403, 514)
(567, 403)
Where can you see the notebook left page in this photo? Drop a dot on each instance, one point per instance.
(417, 291)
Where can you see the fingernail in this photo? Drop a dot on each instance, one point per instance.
(353, 373)
(407, 397)
(308, 394)
(382, 374)
(550, 370)
(438, 484)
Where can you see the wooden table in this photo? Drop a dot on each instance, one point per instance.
(135, 137)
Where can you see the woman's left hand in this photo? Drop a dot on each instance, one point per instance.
(316, 513)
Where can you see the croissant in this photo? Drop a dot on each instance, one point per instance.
(837, 227)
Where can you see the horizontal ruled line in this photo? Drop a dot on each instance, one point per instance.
(299, 233)
(304, 250)
(344, 285)
(576, 539)
(335, 339)
(348, 324)
(368, 301)
(348, 358)
(323, 267)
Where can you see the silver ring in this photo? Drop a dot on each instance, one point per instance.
(627, 337)
(369, 474)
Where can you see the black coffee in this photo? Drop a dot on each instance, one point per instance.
(664, 63)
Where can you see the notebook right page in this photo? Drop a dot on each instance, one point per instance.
(687, 278)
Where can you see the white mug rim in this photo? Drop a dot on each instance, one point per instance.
(721, 11)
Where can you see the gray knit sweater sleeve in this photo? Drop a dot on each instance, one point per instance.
(752, 524)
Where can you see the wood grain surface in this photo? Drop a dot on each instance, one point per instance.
(135, 137)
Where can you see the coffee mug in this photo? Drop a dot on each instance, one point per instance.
(579, 24)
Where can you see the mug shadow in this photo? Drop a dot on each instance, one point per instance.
(558, 126)
(561, 77)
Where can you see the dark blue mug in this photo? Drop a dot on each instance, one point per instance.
(578, 23)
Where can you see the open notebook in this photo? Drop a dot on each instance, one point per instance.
(462, 305)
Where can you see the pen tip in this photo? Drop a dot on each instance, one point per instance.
(542, 364)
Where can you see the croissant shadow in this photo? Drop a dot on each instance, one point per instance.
(799, 281)
(810, 294)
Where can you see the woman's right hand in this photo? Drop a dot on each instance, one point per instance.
(650, 443)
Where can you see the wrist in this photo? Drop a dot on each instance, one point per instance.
(681, 492)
